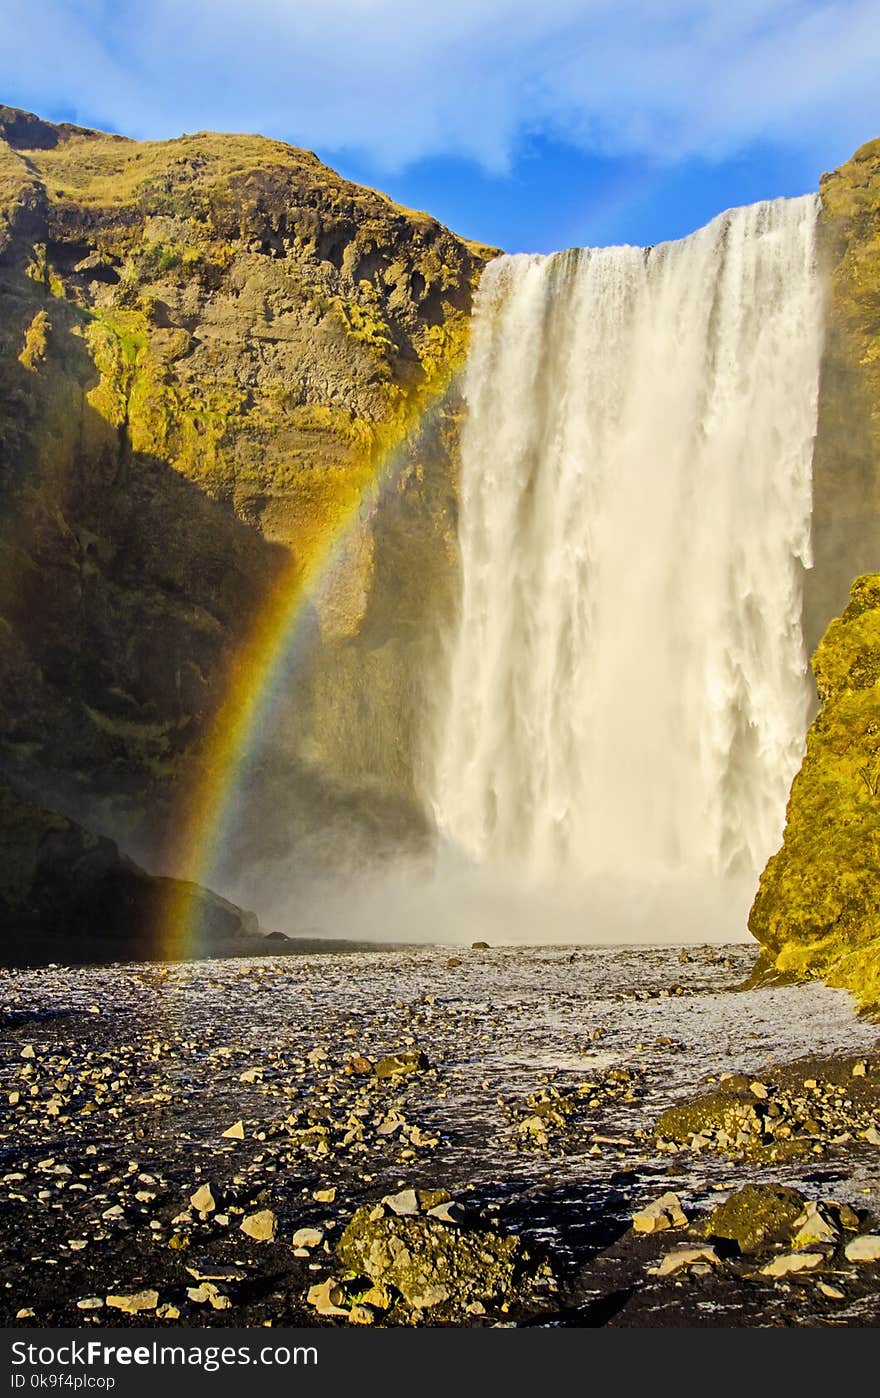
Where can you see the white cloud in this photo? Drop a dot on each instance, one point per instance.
(398, 81)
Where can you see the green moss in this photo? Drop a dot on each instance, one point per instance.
(36, 341)
(755, 1216)
(817, 911)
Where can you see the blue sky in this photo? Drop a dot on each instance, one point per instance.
(529, 126)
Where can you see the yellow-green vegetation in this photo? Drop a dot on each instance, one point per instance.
(36, 341)
(817, 911)
(218, 359)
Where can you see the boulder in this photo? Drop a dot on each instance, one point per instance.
(435, 1267)
(757, 1215)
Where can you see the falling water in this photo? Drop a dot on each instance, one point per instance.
(627, 687)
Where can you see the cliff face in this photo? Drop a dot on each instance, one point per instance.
(206, 347)
(68, 895)
(817, 911)
(846, 464)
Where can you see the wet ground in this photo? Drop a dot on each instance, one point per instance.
(118, 1082)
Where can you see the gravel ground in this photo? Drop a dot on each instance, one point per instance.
(543, 1072)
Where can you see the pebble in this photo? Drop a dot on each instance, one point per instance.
(404, 1204)
(203, 1200)
(308, 1237)
(208, 1293)
(260, 1226)
(235, 1132)
(864, 1248)
(137, 1301)
(682, 1257)
(792, 1262)
(327, 1298)
(665, 1212)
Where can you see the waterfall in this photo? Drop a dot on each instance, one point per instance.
(627, 690)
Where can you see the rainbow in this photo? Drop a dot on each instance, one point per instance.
(207, 811)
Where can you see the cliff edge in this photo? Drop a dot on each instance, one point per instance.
(817, 910)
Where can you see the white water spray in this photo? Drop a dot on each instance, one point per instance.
(627, 688)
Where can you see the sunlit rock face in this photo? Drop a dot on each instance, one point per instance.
(210, 347)
(817, 912)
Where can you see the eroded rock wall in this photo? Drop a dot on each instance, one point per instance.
(211, 350)
(817, 911)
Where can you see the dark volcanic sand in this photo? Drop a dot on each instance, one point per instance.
(138, 1072)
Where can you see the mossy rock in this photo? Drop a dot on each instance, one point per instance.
(756, 1216)
(401, 1064)
(434, 1267)
(817, 910)
(731, 1109)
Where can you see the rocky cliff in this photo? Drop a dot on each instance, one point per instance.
(846, 463)
(817, 911)
(208, 348)
(68, 895)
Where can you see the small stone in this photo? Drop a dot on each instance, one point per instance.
(324, 1196)
(90, 1303)
(872, 1136)
(759, 1090)
(665, 1212)
(250, 1075)
(137, 1301)
(792, 1262)
(864, 1248)
(28, 1051)
(260, 1226)
(453, 962)
(359, 1065)
(399, 1064)
(235, 1132)
(208, 1293)
(832, 1292)
(24, 1314)
(813, 1227)
(168, 1312)
(849, 1219)
(449, 1212)
(308, 1237)
(203, 1200)
(859, 1069)
(327, 1298)
(679, 1258)
(404, 1204)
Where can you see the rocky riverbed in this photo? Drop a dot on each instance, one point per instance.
(557, 1136)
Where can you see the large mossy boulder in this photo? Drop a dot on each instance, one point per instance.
(817, 910)
(434, 1266)
(755, 1216)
